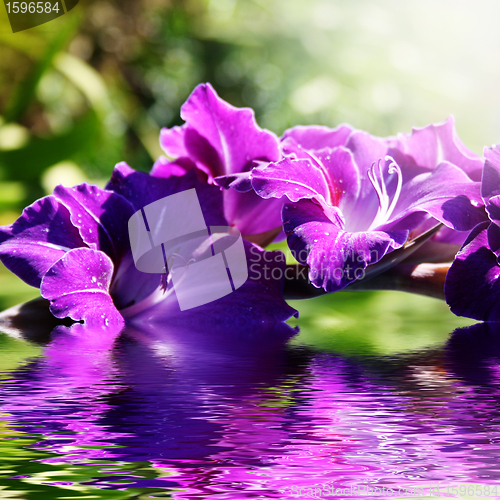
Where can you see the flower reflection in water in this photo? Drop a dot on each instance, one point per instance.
(252, 417)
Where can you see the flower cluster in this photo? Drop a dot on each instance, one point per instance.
(350, 204)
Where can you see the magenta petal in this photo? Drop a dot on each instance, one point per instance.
(490, 182)
(251, 214)
(163, 167)
(172, 141)
(220, 138)
(366, 149)
(472, 285)
(335, 257)
(296, 179)
(231, 132)
(100, 216)
(446, 194)
(38, 238)
(77, 286)
(316, 137)
(433, 144)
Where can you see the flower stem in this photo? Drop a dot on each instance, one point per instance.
(424, 279)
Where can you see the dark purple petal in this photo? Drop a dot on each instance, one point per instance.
(315, 137)
(431, 145)
(494, 240)
(141, 189)
(38, 238)
(256, 303)
(240, 182)
(490, 185)
(100, 216)
(472, 286)
(336, 258)
(77, 286)
(220, 138)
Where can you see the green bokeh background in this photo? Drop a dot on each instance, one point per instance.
(95, 86)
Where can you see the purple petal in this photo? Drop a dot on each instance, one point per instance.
(220, 138)
(39, 237)
(490, 185)
(336, 258)
(172, 141)
(100, 216)
(344, 179)
(446, 193)
(140, 189)
(315, 137)
(431, 145)
(366, 149)
(240, 182)
(259, 301)
(296, 179)
(77, 286)
(472, 286)
(251, 214)
(163, 167)
(494, 240)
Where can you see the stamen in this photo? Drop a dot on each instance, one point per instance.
(394, 168)
(376, 176)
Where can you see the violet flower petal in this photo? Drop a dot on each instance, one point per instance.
(297, 179)
(163, 167)
(219, 137)
(446, 194)
(316, 137)
(472, 284)
(37, 239)
(100, 216)
(257, 302)
(140, 189)
(77, 286)
(336, 258)
(435, 143)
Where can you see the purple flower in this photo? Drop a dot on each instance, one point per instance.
(351, 198)
(472, 286)
(221, 140)
(74, 246)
